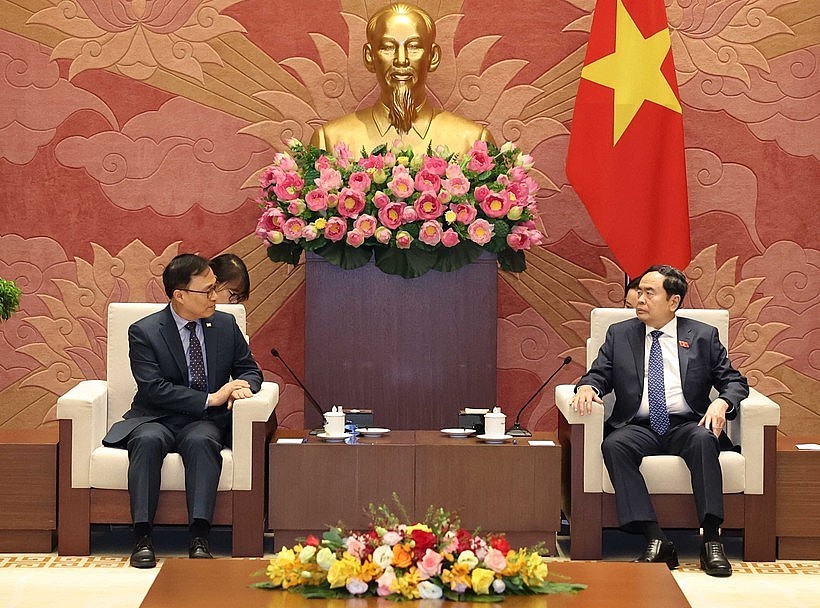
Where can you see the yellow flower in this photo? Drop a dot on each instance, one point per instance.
(402, 160)
(320, 223)
(407, 584)
(459, 574)
(482, 578)
(534, 570)
(370, 571)
(422, 527)
(342, 570)
(285, 569)
(450, 216)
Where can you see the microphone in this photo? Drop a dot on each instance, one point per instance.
(313, 401)
(515, 430)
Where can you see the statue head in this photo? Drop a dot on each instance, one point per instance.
(401, 51)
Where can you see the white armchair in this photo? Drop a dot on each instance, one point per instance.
(93, 485)
(748, 477)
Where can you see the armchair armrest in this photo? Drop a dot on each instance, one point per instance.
(756, 412)
(257, 408)
(86, 406)
(593, 425)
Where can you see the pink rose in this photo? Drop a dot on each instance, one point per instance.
(428, 207)
(366, 224)
(296, 207)
(401, 185)
(481, 193)
(454, 170)
(391, 215)
(342, 154)
(434, 164)
(403, 239)
(329, 179)
(359, 181)
(323, 162)
(267, 177)
(316, 199)
(355, 238)
(386, 582)
(335, 229)
(409, 214)
(430, 564)
(430, 233)
(372, 162)
(480, 160)
(289, 187)
(480, 232)
(383, 236)
(310, 232)
(495, 205)
(293, 228)
(457, 186)
(380, 199)
(450, 238)
(495, 560)
(284, 161)
(465, 213)
(351, 202)
(427, 181)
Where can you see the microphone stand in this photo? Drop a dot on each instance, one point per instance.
(313, 401)
(516, 430)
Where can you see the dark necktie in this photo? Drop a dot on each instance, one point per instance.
(658, 415)
(196, 362)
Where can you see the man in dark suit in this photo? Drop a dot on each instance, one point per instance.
(662, 368)
(190, 364)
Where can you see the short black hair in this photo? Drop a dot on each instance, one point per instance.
(229, 268)
(674, 281)
(633, 284)
(179, 272)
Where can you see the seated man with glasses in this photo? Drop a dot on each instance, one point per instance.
(190, 363)
(233, 284)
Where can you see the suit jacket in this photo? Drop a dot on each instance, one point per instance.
(704, 364)
(161, 372)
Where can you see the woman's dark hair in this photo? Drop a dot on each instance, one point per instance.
(230, 268)
(674, 281)
(179, 272)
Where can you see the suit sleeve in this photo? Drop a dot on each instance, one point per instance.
(731, 385)
(154, 388)
(599, 375)
(244, 366)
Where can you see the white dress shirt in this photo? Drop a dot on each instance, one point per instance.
(672, 384)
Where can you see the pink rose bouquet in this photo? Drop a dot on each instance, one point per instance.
(432, 559)
(438, 211)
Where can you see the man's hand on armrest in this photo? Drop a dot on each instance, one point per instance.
(584, 397)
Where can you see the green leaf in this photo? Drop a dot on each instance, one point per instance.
(512, 261)
(344, 256)
(286, 251)
(263, 585)
(407, 263)
(453, 258)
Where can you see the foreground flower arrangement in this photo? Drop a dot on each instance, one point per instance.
(431, 560)
(414, 213)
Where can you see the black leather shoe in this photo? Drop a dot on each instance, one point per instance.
(713, 560)
(659, 552)
(143, 554)
(198, 549)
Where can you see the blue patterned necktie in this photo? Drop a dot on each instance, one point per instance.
(196, 362)
(658, 415)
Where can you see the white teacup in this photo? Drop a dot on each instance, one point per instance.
(334, 423)
(495, 423)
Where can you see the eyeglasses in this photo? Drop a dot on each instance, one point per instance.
(234, 297)
(208, 292)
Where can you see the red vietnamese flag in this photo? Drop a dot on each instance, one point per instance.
(626, 158)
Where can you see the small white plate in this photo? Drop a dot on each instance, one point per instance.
(372, 431)
(458, 432)
(333, 438)
(494, 438)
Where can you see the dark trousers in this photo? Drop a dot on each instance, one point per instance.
(199, 443)
(625, 447)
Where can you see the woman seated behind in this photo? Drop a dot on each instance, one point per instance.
(233, 284)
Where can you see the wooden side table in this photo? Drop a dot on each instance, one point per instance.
(798, 494)
(28, 490)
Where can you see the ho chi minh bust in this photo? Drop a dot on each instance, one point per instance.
(401, 51)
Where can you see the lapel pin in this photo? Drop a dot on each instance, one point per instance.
(683, 343)
(208, 325)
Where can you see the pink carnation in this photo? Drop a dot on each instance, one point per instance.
(284, 161)
(372, 162)
(351, 202)
(434, 164)
(430, 233)
(267, 177)
(480, 232)
(342, 154)
(323, 162)
(329, 179)
(335, 229)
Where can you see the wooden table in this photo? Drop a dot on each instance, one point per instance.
(798, 494)
(184, 583)
(512, 487)
(28, 490)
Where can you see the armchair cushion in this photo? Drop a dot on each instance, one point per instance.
(109, 470)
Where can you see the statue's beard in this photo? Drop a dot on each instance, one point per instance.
(402, 109)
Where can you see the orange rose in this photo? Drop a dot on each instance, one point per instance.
(402, 555)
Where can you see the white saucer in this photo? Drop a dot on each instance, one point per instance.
(372, 431)
(458, 432)
(494, 438)
(333, 438)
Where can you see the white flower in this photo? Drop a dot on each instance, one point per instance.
(382, 556)
(429, 591)
(499, 586)
(325, 558)
(507, 146)
(307, 553)
(356, 586)
(468, 558)
(391, 538)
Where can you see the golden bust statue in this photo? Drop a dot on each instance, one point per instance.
(401, 51)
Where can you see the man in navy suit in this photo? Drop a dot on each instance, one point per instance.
(662, 368)
(190, 364)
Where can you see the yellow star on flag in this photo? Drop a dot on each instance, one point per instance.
(633, 71)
